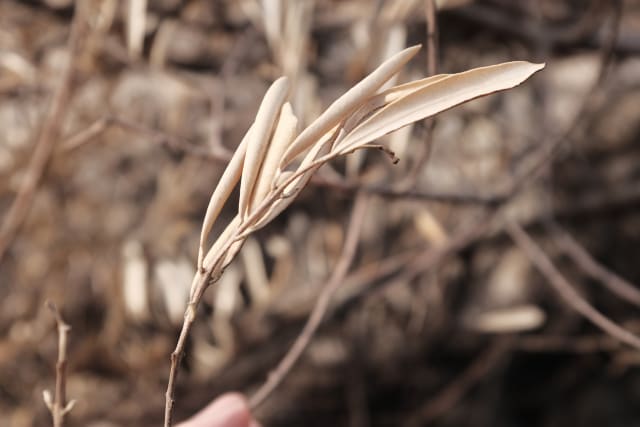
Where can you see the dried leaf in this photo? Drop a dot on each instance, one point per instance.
(430, 228)
(223, 190)
(272, 21)
(136, 22)
(437, 97)
(257, 280)
(172, 279)
(388, 96)
(259, 138)
(321, 148)
(347, 103)
(282, 137)
(508, 320)
(213, 254)
(296, 185)
(135, 280)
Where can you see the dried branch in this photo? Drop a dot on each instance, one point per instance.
(424, 150)
(216, 153)
(47, 138)
(589, 265)
(176, 357)
(461, 198)
(549, 149)
(57, 404)
(568, 34)
(561, 285)
(432, 37)
(276, 377)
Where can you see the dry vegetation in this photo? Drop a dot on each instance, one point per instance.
(476, 281)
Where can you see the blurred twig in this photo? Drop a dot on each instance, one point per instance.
(580, 31)
(219, 93)
(410, 194)
(432, 37)
(48, 136)
(549, 149)
(561, 285)
(322, 304)
(424, 150)
(85, 136)
(57, 403)
(589, 265)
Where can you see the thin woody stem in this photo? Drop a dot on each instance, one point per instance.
(566, 291)
(178, 352)
(276, 377)
(176, 357)
(58, 405)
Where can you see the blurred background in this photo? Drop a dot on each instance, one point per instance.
(106, 169)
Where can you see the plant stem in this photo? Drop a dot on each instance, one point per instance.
(57, 404)
(178, 352)
(276, 377)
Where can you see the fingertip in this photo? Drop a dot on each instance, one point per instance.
(229, 410)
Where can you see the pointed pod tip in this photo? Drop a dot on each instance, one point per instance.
(281, 82)
(279, 86)
(525, 67)
(535, 67)
(414, 49)
(408, 52)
